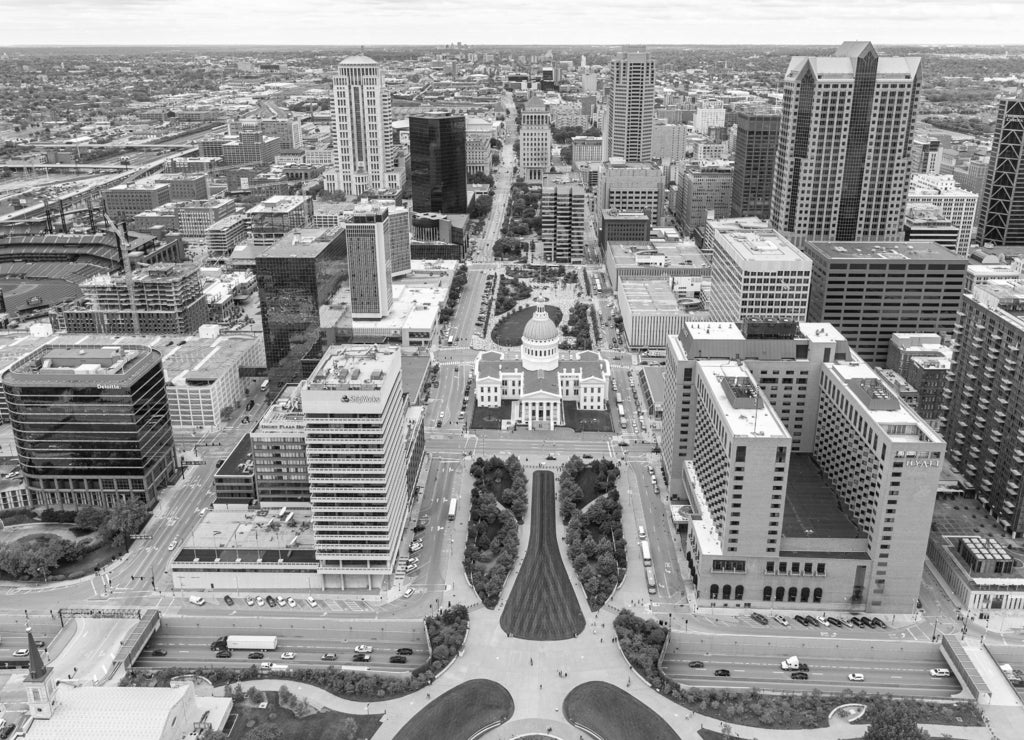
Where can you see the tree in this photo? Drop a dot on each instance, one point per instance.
(124, 521)
(264, 732)
(346, 729)
(893, 720)
(566, 153)
(91, 518)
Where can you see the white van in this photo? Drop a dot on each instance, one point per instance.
(312, 602)
(197, 600)
(643, 532)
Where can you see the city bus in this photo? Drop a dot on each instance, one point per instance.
(645, 552)
(622, 412)
(451, 509)
(264, 385)
(618, 397)
(652, 585)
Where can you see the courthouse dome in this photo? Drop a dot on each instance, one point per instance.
(540, 328)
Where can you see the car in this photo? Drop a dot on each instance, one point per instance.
(800, 620)
(249, 601)
(799, 676)
(361, 658)
(408, 592)
(291, 602)
(256, 656)
(282, 600)
(866, 622)
(329, 656)
(821, 620)
(759, 618)
(404, 651)
(550, 457)
(411, 567)
(836, 622)
(20, 653)
(364, 648)
(223, 653)
(312, 602)
(260, 601)
(412, 561)
(939, 673)
(6, 729)
(228, 600)
(159, 653)
(172, 545)
(587, 456)
(197, 600)
(271, 601)
(288, 656)
(855, 677)
(696, 664)
(876, 622)
(415, 547)
(724, 672)
(398, 659)
(781, 620)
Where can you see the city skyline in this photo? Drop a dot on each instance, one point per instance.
(786, 22)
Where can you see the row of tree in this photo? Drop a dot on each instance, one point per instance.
(492, 540)
(642, 642)
(593, 532)
(511, 290)
(459, 281)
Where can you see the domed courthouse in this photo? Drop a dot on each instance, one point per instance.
(542, 378)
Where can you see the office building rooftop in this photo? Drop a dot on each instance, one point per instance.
(734, 392)
(878, 403)
(353, 367)
(884, 251)
(278, 204)
(303, 243)
(82, 361)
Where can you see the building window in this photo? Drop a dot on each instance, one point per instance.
(805, 594)
(817, 596)
(726, 591)
(713, 591)
(780, 593)
(767, 593)
(792, 593)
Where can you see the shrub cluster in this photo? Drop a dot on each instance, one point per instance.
(459, 281)
(492, 541)
(577, 328)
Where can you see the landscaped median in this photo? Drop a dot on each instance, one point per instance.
(497, 507)
(447, 633)
(642, 642)
(461, 713)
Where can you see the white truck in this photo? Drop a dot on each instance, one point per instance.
(252, 642)
(792, 663)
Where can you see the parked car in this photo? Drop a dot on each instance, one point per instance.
(361, 658)
(800, 620)
(415, 547)
(291, 602)
(260, 601)
(412, 561)
(223, 653)
(408, 592)
(329, 656)
(249, 601)
(228, 600)
(159, 653)
(404, 651)
(781, 620)
(855, 677)
(876, 622)
(723, 672)
(271, 601)
(759, 618)
(398, 659)
(364, 648)
(255, 656)
(799, 676)
(696, 664)
(312, 602)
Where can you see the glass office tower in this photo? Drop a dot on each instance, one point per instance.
(437, 144)
(91, 424)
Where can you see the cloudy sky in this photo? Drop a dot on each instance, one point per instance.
(372, 22)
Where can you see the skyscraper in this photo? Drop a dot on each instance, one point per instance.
(368, 239)
(91, 424)
(562, 217)
(295, 276)
(535, 141)
(367, 155)
(356, 453)
(843, 162)
(437, 148)
(629, 107)
(705, 192)
(757, 138)
(1002, 210)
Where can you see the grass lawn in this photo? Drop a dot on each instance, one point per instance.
(614, 714)
(460, 713)
(508, 332)
(321, 726)
(587, 421)
(490, 418)
(542, 605)
(586, 481)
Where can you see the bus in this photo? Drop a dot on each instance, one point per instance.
(652, 585)
(618, 397)
(622, 412)
(264, 385)
(645, 552)
(451, 509)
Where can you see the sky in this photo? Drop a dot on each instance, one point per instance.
(528, 22)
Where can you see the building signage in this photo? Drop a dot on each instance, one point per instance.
(922, 463)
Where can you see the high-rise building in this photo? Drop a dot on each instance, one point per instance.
(91, 425)
(983, 413)
(270, 220)
(757, 139)
(535, 141)
(809, 481)
(923, 361)
(1002, 206)
(871, 290)
(586, 150)
(367, 156)
(401, 240)
(165, 298)
(437, 150)
(756, 273)
(843, 162)
(668, 141)
(368, 240)
(958, 205)
(925, 222)
(622, 226)
(632, 188)
(226, 234)
(629, 106)
(295, 276)
(196, 216)
(355, 412)
(705, 192)
(121, 202)
(562, 210)
(278, 445)
(479, 133)
(925, 156)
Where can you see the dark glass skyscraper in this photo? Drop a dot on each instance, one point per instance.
(757, 138)
(1002, 207)
(295, 277)
(437, 143)
(91, 424)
